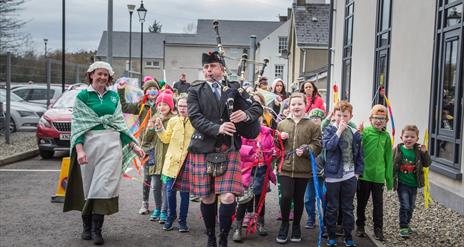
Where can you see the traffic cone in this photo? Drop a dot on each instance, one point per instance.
(62, 182)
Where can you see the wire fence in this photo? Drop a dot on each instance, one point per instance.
(24, 70)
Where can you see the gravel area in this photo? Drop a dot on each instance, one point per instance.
(19, 142)
(435, 226)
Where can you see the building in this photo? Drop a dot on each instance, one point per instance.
(183, 53)
(274, 47)
(414, 50)
(308, 41)
(152, 53)
(170, 54)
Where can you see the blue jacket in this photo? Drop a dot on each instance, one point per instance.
(334, 162)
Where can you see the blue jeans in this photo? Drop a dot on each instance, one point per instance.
(172, 202)
(310, 199)
(407, 198)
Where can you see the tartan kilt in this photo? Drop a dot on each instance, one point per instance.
(193, 178)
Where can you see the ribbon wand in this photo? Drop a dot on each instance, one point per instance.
(427, 197)
(320, 214)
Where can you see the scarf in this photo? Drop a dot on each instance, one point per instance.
(84, 119)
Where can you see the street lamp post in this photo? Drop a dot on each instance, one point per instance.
(131, 8)
(142, 13)
(45, 43)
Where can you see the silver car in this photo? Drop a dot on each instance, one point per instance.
(37, 93)
(24, 116)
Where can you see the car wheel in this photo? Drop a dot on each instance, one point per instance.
(46, 154)
(12, 125)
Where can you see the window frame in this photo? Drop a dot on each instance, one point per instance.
(381, 51)
(275, 71)
(444, 34)
(347, 56)
(280, 46)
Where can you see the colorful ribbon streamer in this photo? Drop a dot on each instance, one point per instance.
(320, 214)
(392, 121)
(427, 197)
(336, 96)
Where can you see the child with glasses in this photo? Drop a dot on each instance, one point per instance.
(378, 171)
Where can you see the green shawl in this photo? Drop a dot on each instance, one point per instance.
(85, 119)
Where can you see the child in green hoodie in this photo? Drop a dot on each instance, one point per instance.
(378, 170)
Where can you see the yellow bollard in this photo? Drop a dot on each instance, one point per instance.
(62, 181)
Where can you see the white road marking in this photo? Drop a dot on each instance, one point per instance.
(27, 170)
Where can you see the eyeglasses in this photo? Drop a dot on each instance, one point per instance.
(379, 118)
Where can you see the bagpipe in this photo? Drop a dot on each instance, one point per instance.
(237, 97)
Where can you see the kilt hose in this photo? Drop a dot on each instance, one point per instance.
(193, 178)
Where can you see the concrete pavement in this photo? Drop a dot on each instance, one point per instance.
(28, 218)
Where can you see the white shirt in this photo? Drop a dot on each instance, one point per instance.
(212, 89)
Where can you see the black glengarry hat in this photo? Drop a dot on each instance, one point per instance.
(211, 57)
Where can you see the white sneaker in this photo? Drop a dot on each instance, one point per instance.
(144, 209)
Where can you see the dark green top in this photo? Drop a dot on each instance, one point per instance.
(406, 173)
(102, 105)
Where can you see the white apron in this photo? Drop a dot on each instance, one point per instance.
(102, 175)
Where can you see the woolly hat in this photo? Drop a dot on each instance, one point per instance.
(161, 83)
(165, 97)
(379, 110)
(101, 65)
(150, 83)
(147, 78)
(316, 113)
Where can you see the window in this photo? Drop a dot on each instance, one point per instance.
(22, 93)
(446, 106)
(282, 44)
(152, 64)
(279, 71)
(382, 49)
(38, 94)
(347, 48)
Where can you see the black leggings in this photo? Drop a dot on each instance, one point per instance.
(292, 189)
(243, 207)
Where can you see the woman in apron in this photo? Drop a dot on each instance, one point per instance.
(101, 149)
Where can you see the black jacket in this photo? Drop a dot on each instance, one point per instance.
(207, 114)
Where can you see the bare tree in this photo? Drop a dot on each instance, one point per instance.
(155, 27)
(10, 38)
(190, 28)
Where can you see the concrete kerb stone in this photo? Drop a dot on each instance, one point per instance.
(18, 157)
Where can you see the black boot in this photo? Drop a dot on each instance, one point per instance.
(87, 223)
(97, 224)
(211, 232)
(223, 238)
(282, 237)
(260, 227)
(296, 233)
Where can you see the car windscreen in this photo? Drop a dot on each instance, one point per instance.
(66, 100)
(14, 97)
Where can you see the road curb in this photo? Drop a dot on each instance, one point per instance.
(19, 157)
(377, 243)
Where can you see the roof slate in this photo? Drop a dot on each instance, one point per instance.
(312, 24)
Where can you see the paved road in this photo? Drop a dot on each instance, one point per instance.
(27, 218)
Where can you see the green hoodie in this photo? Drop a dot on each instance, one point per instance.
(378, 161)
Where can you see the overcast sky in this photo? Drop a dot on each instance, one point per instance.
(87, 19)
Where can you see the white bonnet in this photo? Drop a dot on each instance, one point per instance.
(101, 65)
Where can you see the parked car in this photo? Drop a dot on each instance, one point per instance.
(38, 93)
(54, 129)
(23, 115)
